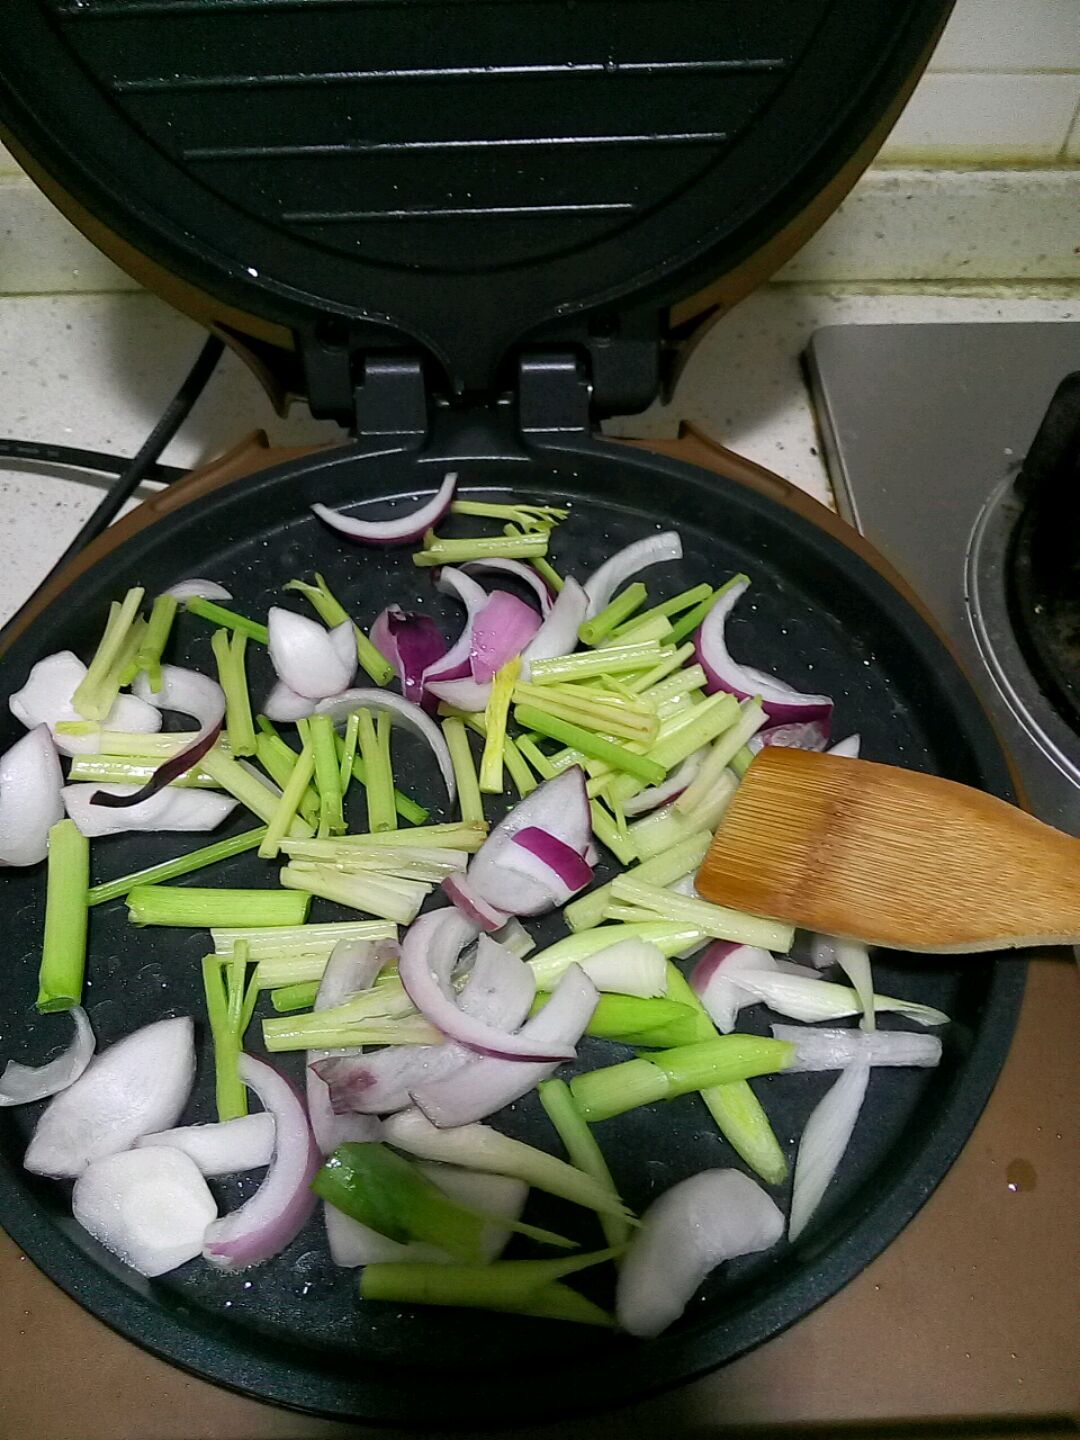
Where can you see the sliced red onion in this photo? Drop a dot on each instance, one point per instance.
(191, 694)
(849, 748)
(198, 589)
(19, 1084)
(832, 1049)
(500, 1196)
(515, 938)
(507, 875)
(136, 1086)
(284, 706)
(279, 1209)
(670, 789)
(498, 992)
(500, 631)
(31, 802)
(311, 660)
(474, 907)
(149, 1207)
(166, 809)
(800, 735)
(525, 573)
(428, 955)
(712, 980)
(464, 695)
(403, 529)
(824, 1139)
(46, 699)
(340, 707)
(351, 969)
(454, 665)
(629, 967)
(223, 1148)
(571, 868)
(411, 643)
(699, 1223)
(558, 635)
(652, 550)
(486, 1085)
(781, 702)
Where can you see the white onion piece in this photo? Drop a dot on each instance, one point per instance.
(630, 967)
(311, 660)
(792, 967)
(781, 702)
(669, 789)
(831, 1049)
(473, 906)
(713, 980)
(225, 1147)
(486, 1085)
(603, 583)
(812, 1000)
(400, 531)
(185, 691)
(429, 952)
(823, 951)
(511, 879)
(198, 589)
(172, 808)
(498, 991)
(279, 1209)
(823, 1141)
(800, 735)
(30, 797)
(500, 631)
(339, 707)
(854, 960)
(525, 573)
(138, 1085)
(713, 1216)
(466, 694)
(149, 1207)
(351, 968)
(500, 1196)
(19, 1084)
(46, 699)
(558, 635)
(283, 705)
(849, 748)
(454, 665)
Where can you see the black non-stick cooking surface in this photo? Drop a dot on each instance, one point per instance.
(467, 172)
(293, 1330)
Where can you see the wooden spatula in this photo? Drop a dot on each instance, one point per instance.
(891, 857)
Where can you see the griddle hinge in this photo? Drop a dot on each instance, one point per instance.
(554, 394)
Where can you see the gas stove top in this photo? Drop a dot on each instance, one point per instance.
(925, 429)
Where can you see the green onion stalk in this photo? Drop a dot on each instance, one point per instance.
(229, 653)
(332, 613)
(180, 865)
(63, 951)
(591, 632)
(229, 619)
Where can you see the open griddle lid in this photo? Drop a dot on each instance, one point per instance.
(459, 175)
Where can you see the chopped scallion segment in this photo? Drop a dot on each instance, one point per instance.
(453, 835)
(202, 908)
(603, 712)
(531, 718)
(181, 865)
(279, 760)
(120, 770)
(323, 1030)
(248, 788)
(640, 632)
(229, 653)
(629, 1019)
(675, 606)
(470, 802)
(287, 998)
(506, 1285)
(724, 749)
(439, 551)
(716, 920)
(742, 760)
(606, 830)
(689, 622)
(230, 619)
(348, 751)
(591, 632)
(99, 687)
(672, 660)
(583, 1149)
(663, 869)
(382, 895)
(284, 813)
(379, 782)
(156, 636)
(550, 965)
(405, 806)
(586, 664)
(327, 776)
(230, 1092)
(63, 950)
(275, 942)
(496, 715)
(528, 517)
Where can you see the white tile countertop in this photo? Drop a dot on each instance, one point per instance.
(95, 370)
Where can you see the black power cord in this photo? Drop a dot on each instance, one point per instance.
(133, 472)
(42, 452)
